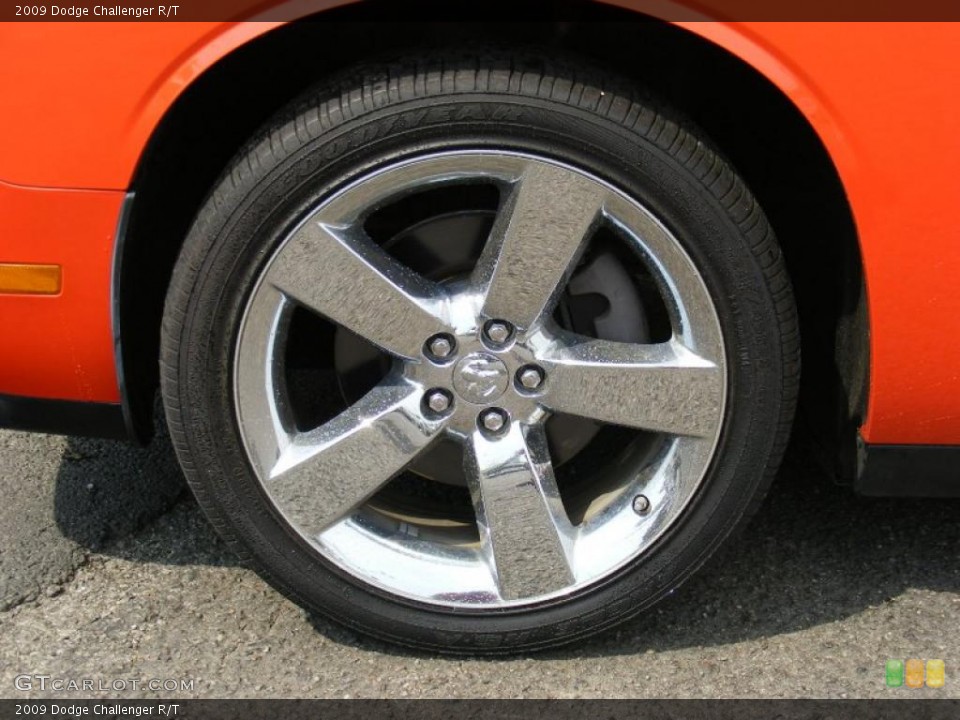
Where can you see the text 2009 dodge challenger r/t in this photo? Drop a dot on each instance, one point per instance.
(480, 335)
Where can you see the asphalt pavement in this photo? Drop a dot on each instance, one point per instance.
(109, 573)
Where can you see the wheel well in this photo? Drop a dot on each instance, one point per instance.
(759, 130)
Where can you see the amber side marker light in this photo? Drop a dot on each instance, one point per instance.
(24, 279)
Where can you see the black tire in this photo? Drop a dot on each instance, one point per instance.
(382, 112)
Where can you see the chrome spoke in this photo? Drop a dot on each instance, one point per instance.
(664, 387)
(324, 474)
(340, 274)
(535, 242)
(523, 526)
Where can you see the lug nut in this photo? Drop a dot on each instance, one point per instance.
(440, 346)
(493, 420)
(530, 377)
(438, 401)
(641, 505)
(498, 331)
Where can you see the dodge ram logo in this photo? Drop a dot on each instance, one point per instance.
(480, 378)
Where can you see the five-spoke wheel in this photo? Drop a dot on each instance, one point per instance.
(479, 355)
(479, 359)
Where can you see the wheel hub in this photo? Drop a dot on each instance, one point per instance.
(480, 378)
(481, 372)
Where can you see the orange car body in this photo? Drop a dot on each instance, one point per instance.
(81, 101)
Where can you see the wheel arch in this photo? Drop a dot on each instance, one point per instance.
(709, 71)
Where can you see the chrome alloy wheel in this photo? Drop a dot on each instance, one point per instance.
(480, 360)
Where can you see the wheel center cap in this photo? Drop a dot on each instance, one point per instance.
(480, 378)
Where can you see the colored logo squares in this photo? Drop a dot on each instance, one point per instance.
(936, 673)
(911, 673)
(894, 673)
(914, 671)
